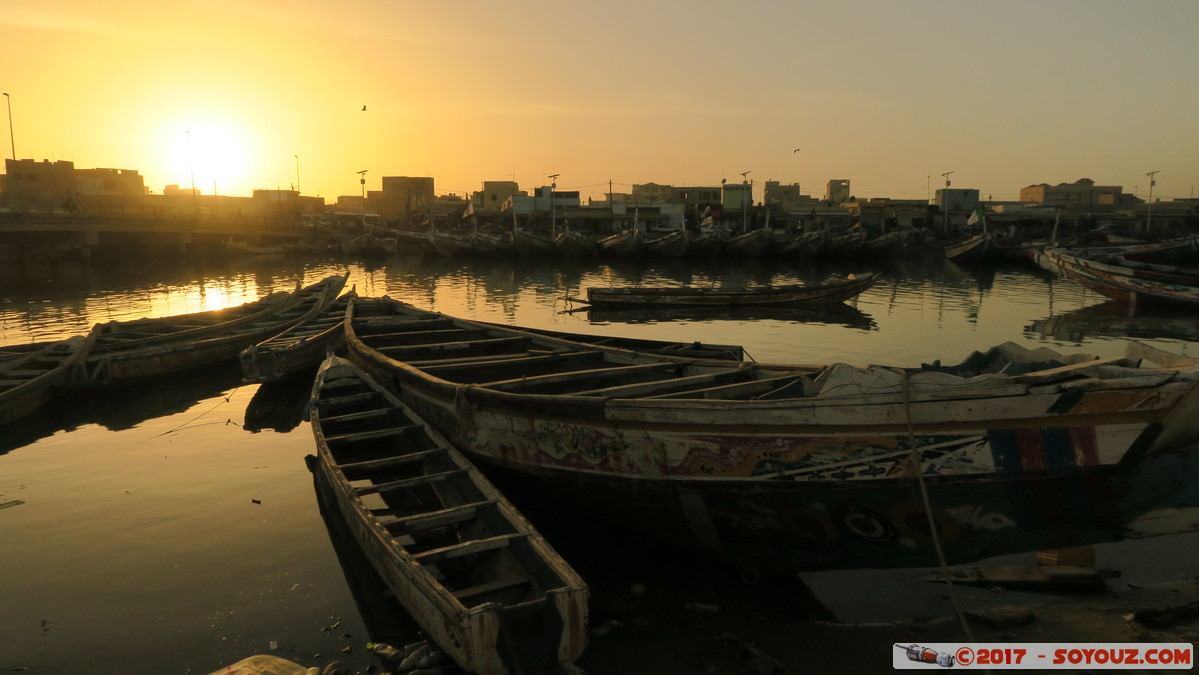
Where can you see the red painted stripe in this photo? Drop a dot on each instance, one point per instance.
(1086, 448)
(1032, 452)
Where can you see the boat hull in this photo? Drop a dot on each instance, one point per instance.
(830, 291)
(781, 456)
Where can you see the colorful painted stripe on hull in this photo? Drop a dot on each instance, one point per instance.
(1052, 450)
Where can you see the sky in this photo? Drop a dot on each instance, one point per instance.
(259, 94)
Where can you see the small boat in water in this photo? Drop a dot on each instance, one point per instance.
(32, 374)
(830, 291)
(979, 247)
(780, 467)
(482, 583)
(125, 351)
(301, 346)
(1126, 280)
(749, 244)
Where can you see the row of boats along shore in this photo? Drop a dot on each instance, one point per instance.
(770, 467)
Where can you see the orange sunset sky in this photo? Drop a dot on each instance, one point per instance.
(265, 94)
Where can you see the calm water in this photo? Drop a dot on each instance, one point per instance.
(159, 533)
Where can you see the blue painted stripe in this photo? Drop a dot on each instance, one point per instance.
(1058, 446)
(1004, 451)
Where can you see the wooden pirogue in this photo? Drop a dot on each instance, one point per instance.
(827, 292)
(32, 374)
(126, 351)
(471, 570)
(785, 466)
(304, 344)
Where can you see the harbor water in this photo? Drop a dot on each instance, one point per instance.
(173, 527)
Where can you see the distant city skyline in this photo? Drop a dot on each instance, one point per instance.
(237, 96)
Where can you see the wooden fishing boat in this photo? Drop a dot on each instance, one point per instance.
(491, 243)
(979, 247)
(254, 249)
(704, 350)
(532, 243)
(889, 244)
(1127, 280)
(301, 346)
(32, 374)
(572, 244)
(778, 467)
(670, 245)
(125, 351)
(845, 245)
(470, 569)
(749, 244)
(622, 244)
(840, 314)
(708, 243)
(800, 244)
(830, 291)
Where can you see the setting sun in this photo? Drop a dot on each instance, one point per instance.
(220, 154)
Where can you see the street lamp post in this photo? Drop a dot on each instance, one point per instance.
(12, 141)
(1149, 211)
(944, 201)
(553, 214)
(362, 182)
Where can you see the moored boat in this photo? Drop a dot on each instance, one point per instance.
(1127, 280)
(779, 467)
(622, 244)
(32, 374)
(979, 247)
(829, 291)
(571, 244)
(670, 245)
(125, 351)
(300, 346)
(748, 244)
(482, 583)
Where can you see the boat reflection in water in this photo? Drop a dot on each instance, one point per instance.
(1116, 319)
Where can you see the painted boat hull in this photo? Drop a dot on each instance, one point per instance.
(707, 456)
(1127, 283)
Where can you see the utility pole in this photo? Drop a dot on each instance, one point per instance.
(11, 139)
(1149, 211)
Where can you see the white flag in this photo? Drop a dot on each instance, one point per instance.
(976, 216)
(470, 210)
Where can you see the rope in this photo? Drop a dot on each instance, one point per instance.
(917, 461)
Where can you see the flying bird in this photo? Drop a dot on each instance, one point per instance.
(795, 150)
(364, 107)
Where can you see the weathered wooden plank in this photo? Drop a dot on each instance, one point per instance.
(1070, 370)
(358, 470)
(473, 547)
(672, 385)
(595, 374)
(405, 483)
(490, 587)
(435, 519)
(373, 434)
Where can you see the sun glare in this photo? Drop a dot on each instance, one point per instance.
(214, 154)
